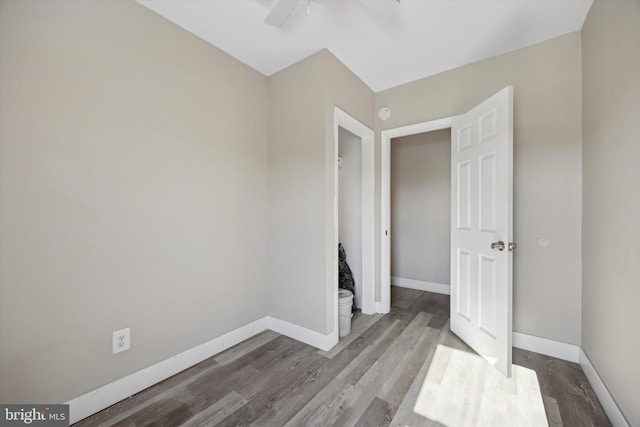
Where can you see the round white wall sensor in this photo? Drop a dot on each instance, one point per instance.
(384, 113)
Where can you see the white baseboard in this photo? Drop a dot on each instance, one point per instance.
(606, 400)
(103, 397)
(307, 336)
(439, 288)
(561, 350)
(95, 401)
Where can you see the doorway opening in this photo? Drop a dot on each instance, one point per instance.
(385, 199)
(420, 217)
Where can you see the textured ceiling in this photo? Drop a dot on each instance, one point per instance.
(383, 42)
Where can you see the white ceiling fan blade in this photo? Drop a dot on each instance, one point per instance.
(281, 13)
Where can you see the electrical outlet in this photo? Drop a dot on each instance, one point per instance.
(121, 340)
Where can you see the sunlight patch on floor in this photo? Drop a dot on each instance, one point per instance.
(463, 389)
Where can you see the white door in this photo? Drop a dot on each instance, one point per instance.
(481, 228)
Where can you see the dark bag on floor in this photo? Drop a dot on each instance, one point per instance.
(345, 277)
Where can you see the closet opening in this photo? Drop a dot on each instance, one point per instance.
(350, 213)
(353, 196)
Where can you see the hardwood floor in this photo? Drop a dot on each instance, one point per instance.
(373, 377)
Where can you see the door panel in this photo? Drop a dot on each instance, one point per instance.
(488, 285)
(464, 196)
(463, 284)
(481, 277)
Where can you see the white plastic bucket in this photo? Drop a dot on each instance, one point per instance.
(345, 300)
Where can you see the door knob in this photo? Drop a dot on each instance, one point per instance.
(512, 246)
(498, 245)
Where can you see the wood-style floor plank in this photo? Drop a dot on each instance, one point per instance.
(359, 324)
(405, 415)
(411, 364)
(373, 377)
(245, 347)
(380, 375)
(379, 413)
(215, 413)
(363, 362)
(552, 410)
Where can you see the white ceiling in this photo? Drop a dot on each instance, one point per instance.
(384, 43)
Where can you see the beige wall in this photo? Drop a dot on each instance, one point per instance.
(611, 198)
(302, 251)
(547, 168)
(421, 206)
(133, 194)
(297, 275)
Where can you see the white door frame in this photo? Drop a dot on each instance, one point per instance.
(384, 306)
(345, 121)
